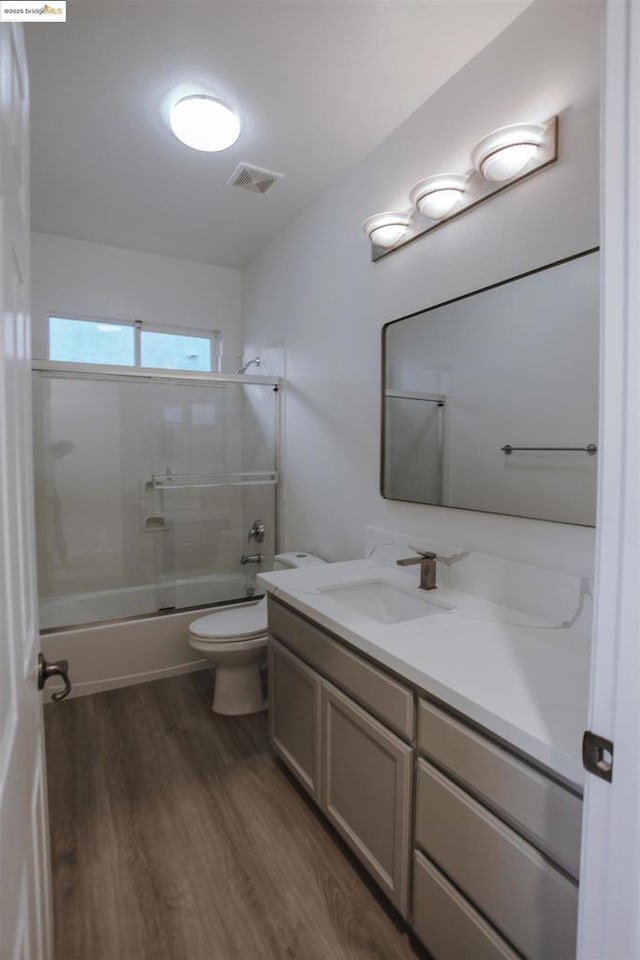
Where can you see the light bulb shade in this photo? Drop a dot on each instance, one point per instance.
(436, 196)
(204, 123)
(505, 152)
(385, 229)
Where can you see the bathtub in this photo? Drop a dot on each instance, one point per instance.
(114, 638)
(84, 608)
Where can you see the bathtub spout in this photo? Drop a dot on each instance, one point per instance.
(251, 558)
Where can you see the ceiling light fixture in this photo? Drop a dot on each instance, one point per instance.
(204, 123)
(505, 152)
(501, 159)
(385, 229)
(436, 196)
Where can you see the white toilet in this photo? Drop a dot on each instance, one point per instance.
(235, 640)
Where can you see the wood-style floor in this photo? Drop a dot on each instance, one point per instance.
(176, 835)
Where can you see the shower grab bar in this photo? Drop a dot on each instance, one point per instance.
(591, 448)
(177, 481)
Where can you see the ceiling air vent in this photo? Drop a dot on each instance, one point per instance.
(254, 179)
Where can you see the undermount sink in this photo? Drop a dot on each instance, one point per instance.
(383, 602)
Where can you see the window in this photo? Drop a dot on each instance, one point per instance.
(89, 341)
(129, 344)
(174, 351)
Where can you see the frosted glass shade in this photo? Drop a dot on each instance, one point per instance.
(385, 229)
(499, 160)
(436, 196)
(387, 235)
(503, 153)
(204, 123)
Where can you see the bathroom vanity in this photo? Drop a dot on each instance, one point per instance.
(417, 740)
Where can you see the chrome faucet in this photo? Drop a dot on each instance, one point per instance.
(256, 531)
(251, 558)
(427, 561)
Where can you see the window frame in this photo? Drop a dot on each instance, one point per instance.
(139, 327)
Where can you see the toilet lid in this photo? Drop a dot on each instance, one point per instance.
(233, 623)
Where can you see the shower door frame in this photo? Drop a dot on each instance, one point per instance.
(114, 372)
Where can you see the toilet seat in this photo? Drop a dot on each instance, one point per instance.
(241, 623)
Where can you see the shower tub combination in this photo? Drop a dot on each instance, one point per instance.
(147, 486)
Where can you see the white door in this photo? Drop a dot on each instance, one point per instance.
(609, 924)
(25, 888)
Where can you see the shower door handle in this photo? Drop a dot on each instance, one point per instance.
(57, 668)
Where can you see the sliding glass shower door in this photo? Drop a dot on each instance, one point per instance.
(146, 489)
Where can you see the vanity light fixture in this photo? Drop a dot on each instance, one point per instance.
(386, 229)
(502, 158)
(204, 123)
(505, 152)
(436, 196)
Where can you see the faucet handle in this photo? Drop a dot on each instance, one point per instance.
(427, 554)
(424, 557)
(256, 531)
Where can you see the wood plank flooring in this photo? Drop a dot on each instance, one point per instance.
(176, 835)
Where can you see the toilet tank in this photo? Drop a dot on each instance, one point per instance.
(288, 561)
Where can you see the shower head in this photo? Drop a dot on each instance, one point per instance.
(255, 360)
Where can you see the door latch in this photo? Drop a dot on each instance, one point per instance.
(597, 755)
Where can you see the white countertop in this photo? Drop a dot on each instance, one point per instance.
(523, 678)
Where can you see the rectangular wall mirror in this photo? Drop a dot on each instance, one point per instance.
(490, 401)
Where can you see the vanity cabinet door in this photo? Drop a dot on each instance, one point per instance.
(367, 776)
(295, 715)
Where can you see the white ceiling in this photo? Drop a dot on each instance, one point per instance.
(317, 85)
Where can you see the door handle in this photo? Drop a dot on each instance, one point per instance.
(57, 668)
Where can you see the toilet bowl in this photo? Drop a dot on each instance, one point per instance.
(234, 639)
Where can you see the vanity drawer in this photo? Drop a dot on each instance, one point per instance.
(541, 809)
(512, 884)
(381, 694)
(446, 922)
